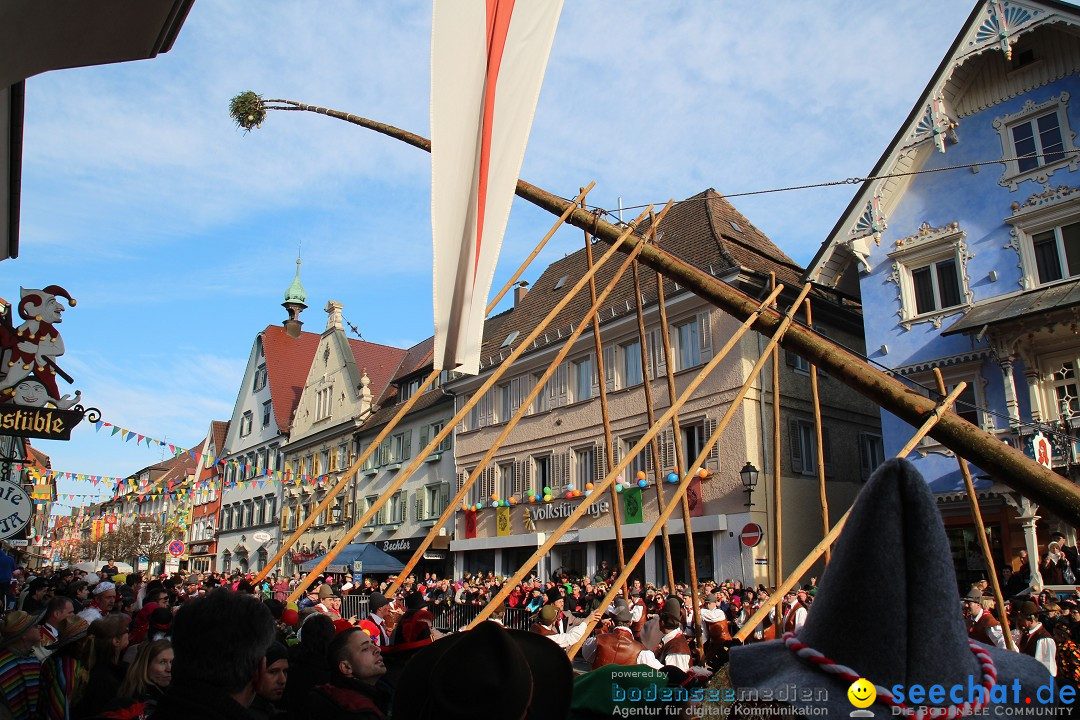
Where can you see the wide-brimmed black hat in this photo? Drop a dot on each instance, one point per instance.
(509, 675)
(553, 594)
(376, 600)
(415, 601)
(894, 549)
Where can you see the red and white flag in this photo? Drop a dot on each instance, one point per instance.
(487, 65)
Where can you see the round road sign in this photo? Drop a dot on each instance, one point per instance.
(751, 535)
(176, 548)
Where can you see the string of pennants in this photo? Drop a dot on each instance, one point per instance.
(126, 436)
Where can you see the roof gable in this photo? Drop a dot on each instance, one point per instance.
(288, 360)
(989, 35)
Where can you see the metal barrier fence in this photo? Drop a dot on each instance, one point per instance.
(447, 618)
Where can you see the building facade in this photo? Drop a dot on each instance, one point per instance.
(975, 271)
(560, 446)
(206, 502)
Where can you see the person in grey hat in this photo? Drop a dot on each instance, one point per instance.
(982, 626)
(1035, 640)
(378, 609)
(910, 640)
(618, 646)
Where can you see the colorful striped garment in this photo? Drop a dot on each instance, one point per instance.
(20, 684)
(61, 688)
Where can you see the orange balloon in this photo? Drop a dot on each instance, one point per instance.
(702, 473)
(513, 501)
(494, 496)
(588, 486)
(641, 475)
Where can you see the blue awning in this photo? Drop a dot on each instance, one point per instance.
(374, 561)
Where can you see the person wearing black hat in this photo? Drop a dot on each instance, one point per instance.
(674, 649)
(1034, 638)
(378, 609)
(618, 646)
(509, 675)
(270, 686)
(554, 597)
(983, 626)
(356, 665)
(546, 625)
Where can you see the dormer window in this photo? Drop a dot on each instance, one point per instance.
(1036, 141)
(930, 269)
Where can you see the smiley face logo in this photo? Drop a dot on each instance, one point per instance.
(862, 694)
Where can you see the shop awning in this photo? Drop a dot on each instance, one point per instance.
(374, 561)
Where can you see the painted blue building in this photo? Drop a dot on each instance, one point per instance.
(976, 270)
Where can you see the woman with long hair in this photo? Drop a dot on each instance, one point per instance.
(109, 638)
(149, 675)
(66, 672)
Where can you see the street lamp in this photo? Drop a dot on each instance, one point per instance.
(749, 475)
(335, 513)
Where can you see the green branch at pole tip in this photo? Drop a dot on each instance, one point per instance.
(247, 110)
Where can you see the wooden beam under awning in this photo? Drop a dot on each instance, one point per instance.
(37, 37)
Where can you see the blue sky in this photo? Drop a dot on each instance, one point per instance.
(178, 233)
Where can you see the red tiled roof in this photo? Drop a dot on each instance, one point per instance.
(380, 362)
(288, 361)
(699, 230)
(219, 430)
(416, 357)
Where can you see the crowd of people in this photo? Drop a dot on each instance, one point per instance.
(108, 644)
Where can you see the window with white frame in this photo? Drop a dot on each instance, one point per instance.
(324, 402)
(685, 341)
(694, 436)
(401, 446)
(540, 477)
(1061, 388)
(435, 498)
(245, 424)
(630, 363)
(1056, 253)
(505, 409)
(542, 402)
(396, 508)
(803, 441)
(266, 413)
(505, 487)
(377, 518)
(584, 466)
(581, 371)
(930, 271)
(260, 379)
(1036, 141)
(642, 462)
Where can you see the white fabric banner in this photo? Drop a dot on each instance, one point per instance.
(488, 59)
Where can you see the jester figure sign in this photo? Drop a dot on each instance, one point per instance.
(28, 367)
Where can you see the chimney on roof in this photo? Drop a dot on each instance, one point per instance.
(295, 302)
(520, 290)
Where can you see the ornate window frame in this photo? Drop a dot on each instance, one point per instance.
(1004, 124)
(927, 246)
(1051, 208)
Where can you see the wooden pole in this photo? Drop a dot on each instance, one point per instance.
(812, 557)
(646, 383)
(676, 432)
(616, 519)
(819, 438)
(778, 492)
(538, 387)
(404, 475)
(345, 477)
(733, 407)
(599, 488)
(980, 528)
(1006, 464)
(540, 245)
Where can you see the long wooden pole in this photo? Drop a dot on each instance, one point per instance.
(733, 407)
(538, 387)
(819, 439)
(676, 432)
(609, 447)
(599, 488)
(980, 528)
(404, 475)
(936, 416)
(778, 485)
(345, 477)
(646, 384)
(1006, 464)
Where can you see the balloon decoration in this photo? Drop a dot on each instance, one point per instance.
(641, 475)
(547, 497)
(702, 473)
(588, 486)
(673, 477)
(643, 483)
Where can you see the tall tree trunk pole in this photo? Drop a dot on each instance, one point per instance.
(1003, 462)
(819, 438)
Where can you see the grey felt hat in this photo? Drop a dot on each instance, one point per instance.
(894, 549)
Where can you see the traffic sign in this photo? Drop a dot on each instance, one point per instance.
(176, 548)
(751, 535)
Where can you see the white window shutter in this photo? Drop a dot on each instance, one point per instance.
(518, 486)
(444, 499)
(419, 504)
(561, 384)
(406, 445)
(460, 480)
(594, 369)
(667, 450)
(556, 472)
(705, 336)
(487, 415)
(609, 368)
(795, 436)
(714, 451)
(425, 438)
(600, 468)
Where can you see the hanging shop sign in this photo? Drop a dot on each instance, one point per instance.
(32, 405)
(15, 509)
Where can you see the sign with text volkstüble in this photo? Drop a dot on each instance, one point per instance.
(38, 422)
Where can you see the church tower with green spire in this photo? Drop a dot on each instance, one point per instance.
(295, 302)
